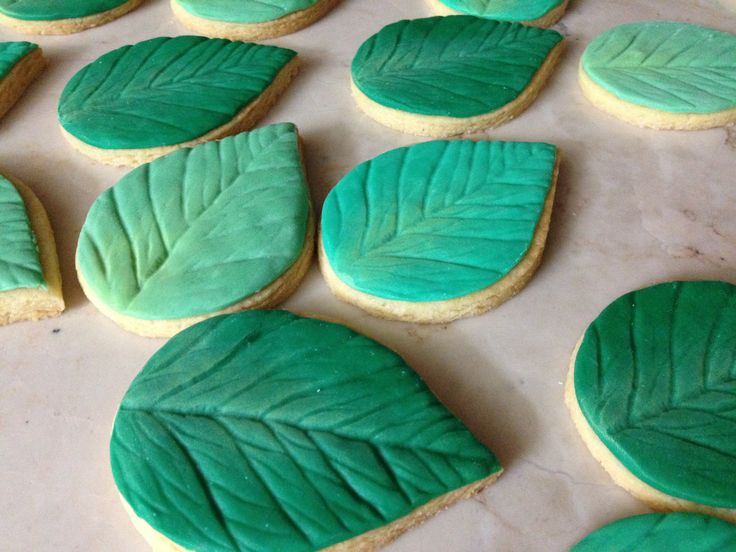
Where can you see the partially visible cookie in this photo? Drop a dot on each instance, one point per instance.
(20, 64)
(652, 391)
(663, 74)
(178, 92)
(440, 230)
(539, 13)
(30, 283)
(249, 19)
(54, 17)
(678, 532)
(218, 228)
(442, 76)
(264, 430)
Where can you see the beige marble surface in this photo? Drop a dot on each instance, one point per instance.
(634, 207)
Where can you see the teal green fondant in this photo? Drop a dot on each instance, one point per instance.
(49, 10)
(166, 91)
(244, 11)
(456, 66)
(11, 53)
(437, 220)
(678, 532)
(666, 65)
(504, 10)
(263, 430)
(20, 266)
(655, 377)
(199, 229)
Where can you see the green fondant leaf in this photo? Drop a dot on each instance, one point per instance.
(679, 532)
(244, 11)
(666, 65)
(655, 378)
(199, 229)
(457, 66)
(436, 220)
(505, 10)
(11, 53)
(266, 431)
(48, 10)
(20, 266)
(166, 91)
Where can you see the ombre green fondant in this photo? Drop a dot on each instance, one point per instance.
(504, 10)
(666, 65)
(200, 229)
(456, 66)
(20, 266)
(677, 532)
(655, 380)
(437, 220)
(166, 91)
(244, 11)
(49, 10)
(263, 430)
(11, 53)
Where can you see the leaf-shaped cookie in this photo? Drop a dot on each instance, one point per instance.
(663, 74)
(447, 75)
(224, 225)
(59, 17)
(20, 64)
(439, 230)
(540, 13)
(653, 391)
(138, 102)
(263, 430)
(30, 284)
(249, 19)
(678, 532)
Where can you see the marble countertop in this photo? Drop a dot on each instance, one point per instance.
(634, 207)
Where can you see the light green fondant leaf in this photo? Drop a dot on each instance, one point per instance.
(457, 66)
(266, 431)
(437, 220)
(678, 532)
(166, 91)
(11, 53)
(20, 266)
(666, 65)
(199, 229)
(655, 378)
(50, 10)
(505, 10)
(244, 11)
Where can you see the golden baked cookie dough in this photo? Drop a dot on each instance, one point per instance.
(284, 25)
(19, 77)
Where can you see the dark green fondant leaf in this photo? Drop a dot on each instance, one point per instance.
(199, 229)
(166, 91)
(457, 66)
(655, 377)
(678, 532)
(266, 431)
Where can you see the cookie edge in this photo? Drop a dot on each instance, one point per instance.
(15, 83)
(545, 21)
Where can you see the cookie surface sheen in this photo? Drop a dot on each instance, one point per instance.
(677, 532)
(665, 65)
(505, 10)
(199, 229)
(244, 11)
(263, 430)
(456, 66)
(166, 91)
(20, 265)
(47, 10)
(654, 379)
(437, 220)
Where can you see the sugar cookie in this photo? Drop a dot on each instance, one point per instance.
(539, 13)
(20, 64)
